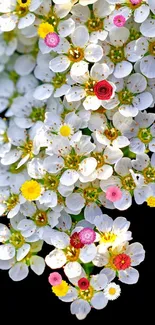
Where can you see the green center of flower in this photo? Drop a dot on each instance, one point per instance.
(125, 97)
(86, 294)
(37, 114)
(75, 54)
(111, 134)
(145, 135)
(128, 183)
(8, 36)
(91, 194)
(59, 80)
(116, 54)
(72, 253)
(134, 34)
(16, 239)
(95, 24)
(12, 201)
(89, 87)
(51, 182)
(40, 218)
(149, 174)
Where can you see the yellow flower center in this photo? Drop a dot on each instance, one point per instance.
(149, 174)
(75, 54)
(112, 291)
(145, 135)
(44, 29)
(72, 161)
(128, 183)
(116, 54)
(65, 130)
(91, 194)
(95, 24)
(152, 48)
(72, 253)
(27, 149)
(151, 201)
(107, 237)
(86, 294)
(12, 201)
(17, 240)
(40, 218)
(51, 182)
(111, 134)
(59, 80)
(125, 97)
(31, 190)
(99, 158)
(89, 87)
(61, 289)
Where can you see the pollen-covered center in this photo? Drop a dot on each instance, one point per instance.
(86, 294)
(72, 253)
(95, 24)
(107, 237)
(145, 135)
(12, 201)
(90, 194)
(65, 130)
(112, 291)
(59, 80)
(151, 201)
(99, 158)
(125, 97)
(116, 54)
(27, 149)
(72, 161)
(37, 114)
(89, 87)
(152, 48)
(75, 54)
(16, 239)
(149, 174)
(111, 134)
(51, 182)
(22, 7)
(134, 34)
(40, 218)
(128, 183)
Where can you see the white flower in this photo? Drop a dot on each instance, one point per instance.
(112, 233)
(112, 291)
(7, 89)
(144, 48)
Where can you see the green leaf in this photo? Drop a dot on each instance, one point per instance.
(88, 267)
(77, 217)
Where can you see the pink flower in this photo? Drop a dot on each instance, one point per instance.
(135, 2)
(54, 278)
(52, 39)
(119, 20)
(87, 236)
(113, 194)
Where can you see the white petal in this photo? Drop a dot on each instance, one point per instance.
(110, 274)
(26, 21)
(7, 251)
(27, 62)
(123, 69)
(147, 66)
(75, 202)
(103, 223)
(136, 252)
(99, 301)
(91, 211)
(53, 164)
(23, 251)
(129, 276)
(147, 28)
(59, 64)
(71, 295)
(88, 253)
(56, 259)
(87, 166)
(79, 69)
(43, 92)
(69, 177)
(80, 308)
(37, 264)
(76, 36)
(72, 269)
(4, 233)
(125, 201)
(93, 53)
(19, 272)
(66, 27)
(141, 13)
(59, 239)
(99, 281)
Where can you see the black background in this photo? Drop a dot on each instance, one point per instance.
(33, 299)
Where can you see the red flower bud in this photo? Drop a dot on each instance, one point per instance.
(83, 284)
(103, 90)
(122, 261)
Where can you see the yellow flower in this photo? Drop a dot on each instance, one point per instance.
(24, 3)
(65, 130)
(31, 190)
(61, 289)
(44, 29)
(151, 201)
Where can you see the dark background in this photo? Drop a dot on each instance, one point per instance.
(33, 299)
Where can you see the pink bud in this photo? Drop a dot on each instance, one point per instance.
(52, 39)
(119, 20)
(113, 194)
(54, 278)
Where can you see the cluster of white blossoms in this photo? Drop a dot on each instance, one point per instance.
(76, 139)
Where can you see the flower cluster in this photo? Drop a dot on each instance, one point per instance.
(77, 78)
